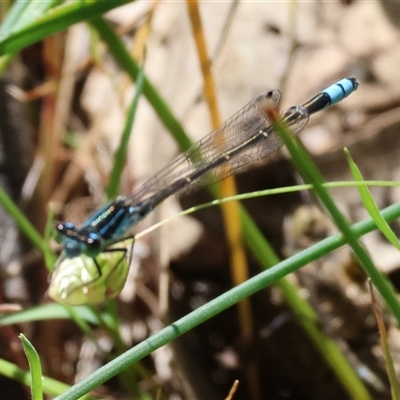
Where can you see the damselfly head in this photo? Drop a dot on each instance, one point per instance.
(269, 99)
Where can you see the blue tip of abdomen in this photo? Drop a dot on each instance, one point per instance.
(341, 89)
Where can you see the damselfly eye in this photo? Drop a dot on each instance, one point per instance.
(94, 245)
(63, 227)
(61, 230)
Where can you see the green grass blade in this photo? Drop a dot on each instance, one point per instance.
(35, 368)
(48, 312)
(370, 204)
(121, 153)
(23, 13)
(49, 256)
(11, 19)
(23, 223)
(50, 386)
(55, 20)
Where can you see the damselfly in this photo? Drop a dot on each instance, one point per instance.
(244, 139)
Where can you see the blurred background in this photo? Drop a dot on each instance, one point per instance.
(63, 108)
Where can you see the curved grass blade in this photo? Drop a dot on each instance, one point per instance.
(47, 312)
(370, 204)
(50, 386)
(23, 223)
(121, 153)
(34, 366)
